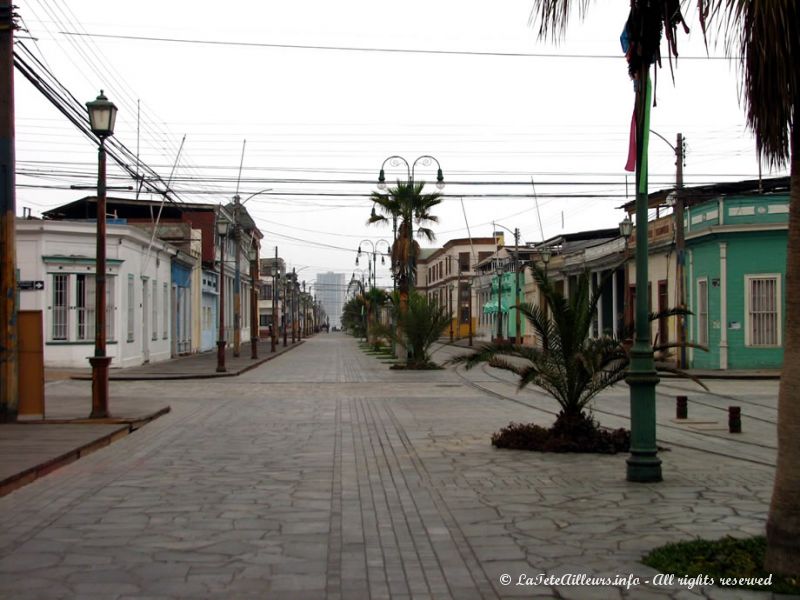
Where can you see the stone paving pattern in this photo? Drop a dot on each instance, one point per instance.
(323, 474)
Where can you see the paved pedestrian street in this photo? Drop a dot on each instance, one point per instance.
(324, 474)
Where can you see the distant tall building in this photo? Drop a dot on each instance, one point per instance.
(331, 289)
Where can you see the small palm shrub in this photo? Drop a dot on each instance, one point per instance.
(570, 365)
(419, 326)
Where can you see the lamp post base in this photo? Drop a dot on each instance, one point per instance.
(643, 465)
(254, 348)
(221, 356)
(100, 366)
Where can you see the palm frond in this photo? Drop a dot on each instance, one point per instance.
(765, 36)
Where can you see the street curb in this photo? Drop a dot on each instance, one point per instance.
(180, 376)
(127, 426)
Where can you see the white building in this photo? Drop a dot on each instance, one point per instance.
(61, 255)
(331, 290)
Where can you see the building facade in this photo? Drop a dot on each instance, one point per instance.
(61, 255)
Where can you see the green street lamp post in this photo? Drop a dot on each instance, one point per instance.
(102, 116)
(643, 464)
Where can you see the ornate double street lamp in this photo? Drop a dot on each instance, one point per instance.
(102, 116)
(223, 227)
(375, 252)
(395, 161)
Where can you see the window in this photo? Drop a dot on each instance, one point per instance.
(131, 313)
(762, 310)
(60, 302)
(165, 309)
(154, 300)
(463, 261)
(76, 323)
(702, 311)
(663, 304)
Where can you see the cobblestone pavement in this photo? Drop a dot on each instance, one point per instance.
(323, 474)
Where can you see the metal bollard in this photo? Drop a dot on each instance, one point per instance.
(681, 408)
(734, 419)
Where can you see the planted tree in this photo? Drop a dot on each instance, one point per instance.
(568, 364)
(422, 324)
(353, 314)
(406, 206)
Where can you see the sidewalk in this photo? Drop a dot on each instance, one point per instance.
(33, 448)
(198, 366)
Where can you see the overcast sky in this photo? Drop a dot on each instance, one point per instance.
(323, 92)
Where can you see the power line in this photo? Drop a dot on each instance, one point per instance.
(143, 38)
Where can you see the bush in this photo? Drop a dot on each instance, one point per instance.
(574, 433)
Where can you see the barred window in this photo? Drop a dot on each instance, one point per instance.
(131, 314)
(76, 323)
(702, 312)
(154, 300)
(60, 305)
(165, 307)
(763, 310)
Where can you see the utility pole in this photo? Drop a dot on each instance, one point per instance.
(237, 280)
(9, 328)
(680, 249)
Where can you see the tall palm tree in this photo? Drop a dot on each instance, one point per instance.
(411, 207)
(766, 35)
(407, 204)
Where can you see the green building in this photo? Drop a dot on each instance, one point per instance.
(735, 269)
(507, 302)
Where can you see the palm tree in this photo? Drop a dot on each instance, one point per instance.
(374, 299)
(766, 35)
(570, 365)
(423, 323)
(407, 203)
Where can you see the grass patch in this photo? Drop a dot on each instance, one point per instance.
(729, 561)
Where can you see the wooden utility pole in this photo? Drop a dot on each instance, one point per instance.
(680, 246)
(9, 328)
